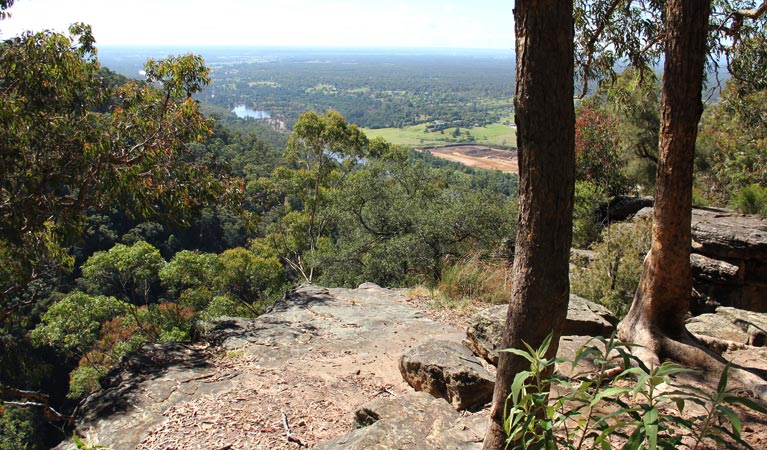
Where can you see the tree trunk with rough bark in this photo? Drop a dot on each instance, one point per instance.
(662, 299)
(545, 120)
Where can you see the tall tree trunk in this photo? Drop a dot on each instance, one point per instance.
(662, 299)
(545, 120)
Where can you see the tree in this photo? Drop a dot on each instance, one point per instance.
(596, 151)
(681, 28)
(733, 139)
(656, 318)
(321, 151)
(632, 102)
(398, 220)
(545, 120)
(127, 272)
(69, 142)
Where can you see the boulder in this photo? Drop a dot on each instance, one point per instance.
(733, 325)
(621, 208)
(729, 260)
(584, 318)
(448, 370)
(414, 421)
(705, 269)
(720, 234)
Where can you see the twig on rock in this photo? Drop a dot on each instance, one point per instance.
(288, 434)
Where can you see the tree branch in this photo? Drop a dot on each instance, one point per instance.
(34, 399)
(755, 13)
(592, 42)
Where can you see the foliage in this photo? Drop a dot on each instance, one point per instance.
(348, 210)
(127, 272)
(70, 140)
(73, 324)
(631, 104)
(83, 381)
(592, 410)
(249, 277)
(613, 276)
(609, 32)
(83, 445)
(748, 62)
(596, 151)
(587, 226)
(752, 199)
(733, 137)
(223, 305)
(18, 429)
(321, 151)
(398, 220)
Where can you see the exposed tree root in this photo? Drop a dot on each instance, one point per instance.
(688, 351)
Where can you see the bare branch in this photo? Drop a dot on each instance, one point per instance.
(755, 13)
(34, 399)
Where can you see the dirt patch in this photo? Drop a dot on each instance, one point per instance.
(479, 156)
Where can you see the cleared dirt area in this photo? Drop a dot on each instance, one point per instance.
(479, 156)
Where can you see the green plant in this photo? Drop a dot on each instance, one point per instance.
(82, 445)
(621, 403)
(586, 224)
(83, 381)
(752, 199)
(613, 276)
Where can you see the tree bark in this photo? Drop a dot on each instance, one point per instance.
(662, 299)
(545, 120)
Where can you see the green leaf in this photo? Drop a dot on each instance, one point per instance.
(650, 420)
(610, 392)
(635, 440)
(722, 386)
(519, 352)
(733, 418)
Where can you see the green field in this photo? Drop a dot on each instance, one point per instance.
(417, 136)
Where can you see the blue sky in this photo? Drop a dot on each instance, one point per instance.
(348, 23)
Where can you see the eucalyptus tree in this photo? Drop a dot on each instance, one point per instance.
(545, 119)
(69, 142)
(322, 150)
(639, 31)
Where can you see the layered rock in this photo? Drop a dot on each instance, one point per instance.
(730, 259)
(448, 370)
(732, 325)
(413, 421)
(317, 356)
(584, 318)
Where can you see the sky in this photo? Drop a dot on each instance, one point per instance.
(485, 24)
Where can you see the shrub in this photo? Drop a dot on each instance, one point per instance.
(613, 276)
(630, 410)
(19, 428)
(586, 224)
(222, 305)
(83, 381)
(752, 199)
